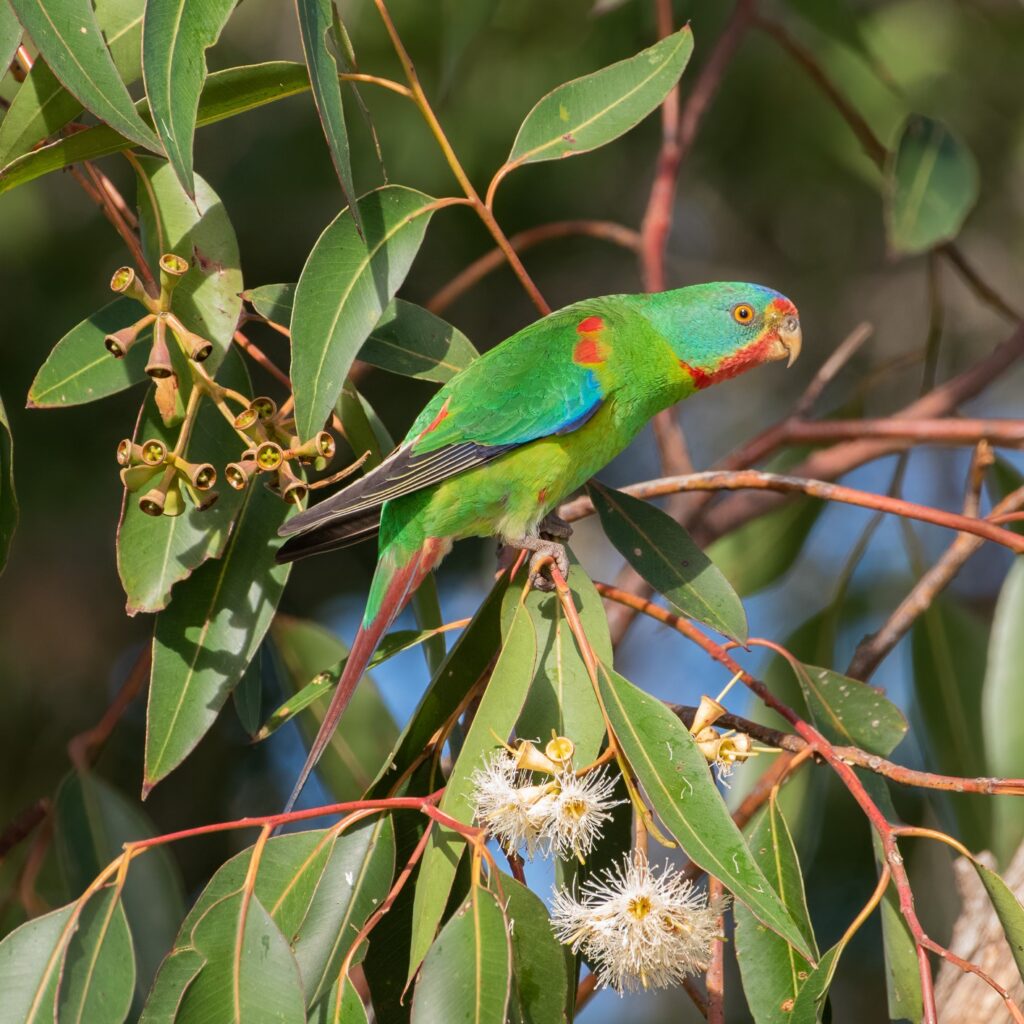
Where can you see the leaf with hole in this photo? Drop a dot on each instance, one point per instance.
(591, 111)
(665, 555)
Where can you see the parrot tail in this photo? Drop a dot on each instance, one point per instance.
(393, 584)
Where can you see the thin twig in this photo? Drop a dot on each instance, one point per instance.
(716, 971)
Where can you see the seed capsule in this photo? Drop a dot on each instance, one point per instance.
(291, 488)
(125, 282)
(321, 446)
(160, 365)
(269, 456)
(265, 407)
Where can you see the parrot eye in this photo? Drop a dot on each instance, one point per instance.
(743, 313)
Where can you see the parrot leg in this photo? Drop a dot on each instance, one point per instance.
(543, 549)
(554, 527)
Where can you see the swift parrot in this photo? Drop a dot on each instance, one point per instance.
(514, 433)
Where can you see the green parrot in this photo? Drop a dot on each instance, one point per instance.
(512, 435)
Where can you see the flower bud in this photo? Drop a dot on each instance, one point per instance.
(160, 365)
(708, 742)
(321, 446)
(174, 502)
(291, 488)
(709, 712)
(125, 282)
(269, 456)
(264, 407)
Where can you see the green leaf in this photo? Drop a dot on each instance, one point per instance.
(207, 300)
(561, 695)
(80, 369)
(811, 998)
(851, 712)
(408, 339)
(596, 109)
(248, 694)
(347, 282)
(98, 976)
(931, 185)
(363, 740)
(92, 821)
(316, 22)
(177, 972)
(467, 972)
(465, 664)
(156, 552)
(948, 644)
(30, 967)
(664, 554)
(678, 784)
(206, 637)
(348, 1010)
(495, 717)
(249, 975)
(1003, 707)
(175, 37)
(10, 35)
(539, 968)
(8, 497)
(227, 93)
(773, 972)
(354, 883)
(778, 539)
(42, 106)
(70, 40)
(1008, 909)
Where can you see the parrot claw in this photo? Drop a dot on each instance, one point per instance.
(544, 552)
(554, 527)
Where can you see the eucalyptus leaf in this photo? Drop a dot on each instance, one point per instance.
(8, 496)
(30, 967)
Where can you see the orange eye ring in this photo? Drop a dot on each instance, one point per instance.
(743, 313)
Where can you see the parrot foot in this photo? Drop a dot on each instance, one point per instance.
(554, 527)
(543, 550)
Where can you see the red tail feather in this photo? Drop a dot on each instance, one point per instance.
(400, 588)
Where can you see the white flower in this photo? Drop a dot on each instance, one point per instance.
(580, 808)
(562, 815)
(512, 810)
(639, 928)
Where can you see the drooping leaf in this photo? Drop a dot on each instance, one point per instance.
(1008, 909)
(206, 637)
(678, 784)
(8, 497)
(92, 821)
(596, 109)
(42, 106)
(249, 975)
(177, 972)
(931, 186)
(561, 695)
(664, 554)
(467, 972)
(70, 40)
(175, 37)
(773, 972)
(348, 1009)
(156, 552)
(227, 93)
(30, 967)
(850, 711)
(98, 976)
(495, 717)
(809, 1002)
(354, 883)
(408, 339)
(539, 968)
(360, 745)
(347, 282)
(948, 644)
(316, 28)
(207, 300)
(1002, 707)
(778, 539)
(80, 369)
(10, 35)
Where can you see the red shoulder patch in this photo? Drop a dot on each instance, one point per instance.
(591, 325)
(589, 352)
(438, 419)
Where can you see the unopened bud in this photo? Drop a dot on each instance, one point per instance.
(160, 365)
(269, 456)
(708, 742)
(174, 502)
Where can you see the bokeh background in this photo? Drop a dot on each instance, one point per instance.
(776, 190)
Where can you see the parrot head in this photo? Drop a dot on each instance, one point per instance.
(718, 330)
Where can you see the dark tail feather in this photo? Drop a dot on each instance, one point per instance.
(330, 538)
(400, 587)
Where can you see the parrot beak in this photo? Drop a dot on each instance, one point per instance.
(788, 340)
